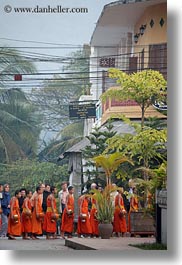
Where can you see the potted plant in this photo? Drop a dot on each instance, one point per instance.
(104, 203)
(105, 211)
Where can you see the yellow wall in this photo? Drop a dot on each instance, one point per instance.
(156, 34)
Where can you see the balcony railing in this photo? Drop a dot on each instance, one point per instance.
(146, 57)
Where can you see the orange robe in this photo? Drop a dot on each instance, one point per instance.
(49, 225)
(26, 219)
(14, 229)
(37, 223)
(93, 221)
(67, 220)
(83, 227)
(119, 223)
(133, 208)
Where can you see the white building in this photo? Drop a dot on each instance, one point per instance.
(113, 45)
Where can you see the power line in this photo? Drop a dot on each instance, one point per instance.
(41, 42)
(80, 58)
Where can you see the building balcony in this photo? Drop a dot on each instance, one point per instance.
(129, 108)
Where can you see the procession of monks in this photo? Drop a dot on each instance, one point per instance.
(32, 221)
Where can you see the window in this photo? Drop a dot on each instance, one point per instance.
(158, 58)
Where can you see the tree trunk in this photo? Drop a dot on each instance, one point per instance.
(143, 117)
(146, 178)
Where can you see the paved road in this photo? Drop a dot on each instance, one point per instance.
(41, 244)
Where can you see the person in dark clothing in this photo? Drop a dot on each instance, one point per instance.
(22, 198)
(46, 193)
(5, 205)
(126, 202)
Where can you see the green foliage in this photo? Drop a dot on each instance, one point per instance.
(19, 126)
(104, 206)
(157, 177)
(144, 145)
(156, 123)
(11, 63)
(110, 163)
(147, 150)
(141, 86)
(147, 146)
(144, 87)
(98, 143)
(72, 130)
(30, 173)
(70, 135)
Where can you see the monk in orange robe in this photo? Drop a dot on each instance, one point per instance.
(84, 226)
(119, 223)
(134, 205)
(51, 216)
(27, 216)
(93, 219)
(37, 215)
(68, 214)
(14, 219)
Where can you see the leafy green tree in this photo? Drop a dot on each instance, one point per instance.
(29, 173)
(19, 130)
(144, 87)
(146, 148)
(98, 143)
(157, 177)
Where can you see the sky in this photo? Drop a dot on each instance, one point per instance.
(36, 28)
(54, 28)
(58, 32)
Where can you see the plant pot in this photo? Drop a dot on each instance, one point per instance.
(105, 230)
(142, 223)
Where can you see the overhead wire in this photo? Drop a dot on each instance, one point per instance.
(77, 58)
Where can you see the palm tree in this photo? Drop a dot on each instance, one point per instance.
(11, 63)
(18, 126)
(67, 137)
(110, 163)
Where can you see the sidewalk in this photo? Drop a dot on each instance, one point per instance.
(121, 243)
(75, 243)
